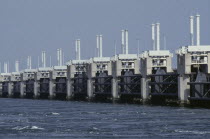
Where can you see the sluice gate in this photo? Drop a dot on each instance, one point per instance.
(44, 87)
(5, 90)
(29, 88)
(59, 82)
(199, 87)
(16, 89)
(28, 83)
(103, 84)
(79, 85)
(164, 85)
(5, 85)
(126, 77)
(16, 83)
(60, 86)
(100, 74)
(77, 79)
(130, 84)
(43, 79)
(156, 70)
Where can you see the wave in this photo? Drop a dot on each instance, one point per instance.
(27, 128)
(55, 113)
(193, 132)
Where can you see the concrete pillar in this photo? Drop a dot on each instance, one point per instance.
(0, 88)
(115, 94)
(69, 89)
(169, 64)
(183, 89)
(145, 90)
(89, 89)
(22, 89)
(9, 89)
(35, 89)
(51, 89)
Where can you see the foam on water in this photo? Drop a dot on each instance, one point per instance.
(37, 128)
(192, 131)
(27, 128)
(55, 113)
(21, 128)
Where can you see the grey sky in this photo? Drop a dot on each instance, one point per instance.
(29, 26)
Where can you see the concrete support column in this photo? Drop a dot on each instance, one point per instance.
(115, 94)
(35, 89)
(10, 89)
(51, 89)
(69, 89)
(145, 90)
(90, 89)
(0, 88)
(22, 89)
(183, 89)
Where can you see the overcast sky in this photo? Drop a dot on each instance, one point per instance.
(29, 26)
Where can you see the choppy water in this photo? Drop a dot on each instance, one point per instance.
(59, 119)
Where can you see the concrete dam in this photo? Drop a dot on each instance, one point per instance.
(143, 77)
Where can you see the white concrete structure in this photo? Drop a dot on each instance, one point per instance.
(28, 77)
(152, 60)
(6, 86)
(42, 77)
(98, 67)
(191, 60)
(58, 76)
(76, 69)
(120, 64)
(15, 81)
(43, 80)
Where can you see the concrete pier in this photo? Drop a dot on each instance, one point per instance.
(36, 86)
(22, 89)
(145, 89)
(51, 88)
(115, 94)
(10, 87)
(183, 89)
(90, 89)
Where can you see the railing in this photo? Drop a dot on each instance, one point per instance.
(128, 66)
